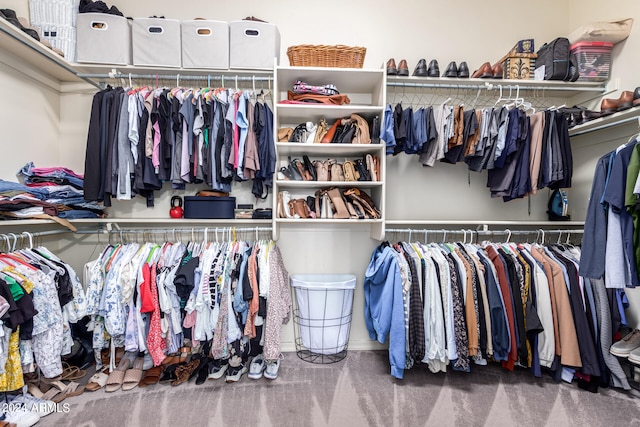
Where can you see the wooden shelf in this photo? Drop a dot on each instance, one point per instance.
(294, 114)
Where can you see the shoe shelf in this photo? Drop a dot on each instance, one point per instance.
(621, 118)
(544, 87)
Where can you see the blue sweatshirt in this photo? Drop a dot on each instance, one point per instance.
(384, 305)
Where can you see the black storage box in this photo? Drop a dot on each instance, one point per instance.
(207, 207)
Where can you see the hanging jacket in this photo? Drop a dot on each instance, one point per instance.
(383, 305)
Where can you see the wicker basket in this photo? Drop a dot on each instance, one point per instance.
(339, 56)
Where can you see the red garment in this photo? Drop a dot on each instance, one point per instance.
(155, 343)
(146, 298)
(508, 305)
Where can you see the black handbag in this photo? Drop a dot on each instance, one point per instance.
(557, 60)
(262, 213)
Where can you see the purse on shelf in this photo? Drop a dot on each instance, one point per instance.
(363, 199)
(350, 173)
(337, 174)
(345, 132)
(328, 136)
(361, 134)
(308, 166)
(375, 130)
(323, 127)
(361, 169)
(284, 134)
(322, 170)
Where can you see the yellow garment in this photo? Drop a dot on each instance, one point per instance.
(12, 378)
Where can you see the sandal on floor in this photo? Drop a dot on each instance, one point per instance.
(133, 376)
(116, 377)
(169, 374)
(72, 389)
(71, 373)
(152, 376)
(183, 372)
(97, 381)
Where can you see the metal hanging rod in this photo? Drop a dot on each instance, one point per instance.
(490, 86)
(211, 77)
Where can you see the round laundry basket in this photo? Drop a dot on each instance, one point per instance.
(322, 315)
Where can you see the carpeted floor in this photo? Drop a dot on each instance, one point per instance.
(357, 391)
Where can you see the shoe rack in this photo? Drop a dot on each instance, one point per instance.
(367, 91)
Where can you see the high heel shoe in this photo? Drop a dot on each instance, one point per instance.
(339, 204)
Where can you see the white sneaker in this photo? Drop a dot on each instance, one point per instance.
(626, 345)
(271, 371)
(218, 368)
(257, 367)
(634, 356)
(21, 417)
(42, 407)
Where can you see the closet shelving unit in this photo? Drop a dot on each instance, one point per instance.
(366, 89)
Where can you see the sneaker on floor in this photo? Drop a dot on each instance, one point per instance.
(217, 368)
(234, 373)
(271, 370)
(626, 345)
(634, 356)
(21, 417)
(257, 367)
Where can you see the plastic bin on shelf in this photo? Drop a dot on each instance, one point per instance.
(594, 60)
(322, 315)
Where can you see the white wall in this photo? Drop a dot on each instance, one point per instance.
(54, 129)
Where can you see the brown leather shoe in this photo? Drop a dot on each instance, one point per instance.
(609, 106)
(484, 72)
(497, 71)
(403, 68)
(625, 100)
(392, 70)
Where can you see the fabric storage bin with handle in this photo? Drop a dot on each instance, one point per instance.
(323, 315)
(253, 45)
(205, 44)
(156, 42)
(103, 39)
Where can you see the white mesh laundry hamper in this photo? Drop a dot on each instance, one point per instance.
(322, 315)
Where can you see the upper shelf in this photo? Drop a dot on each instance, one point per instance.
(355, 79)
(617, 119)
(555, 88)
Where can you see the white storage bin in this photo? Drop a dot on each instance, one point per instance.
(103, 39)
(253, 45)
(156, 42)
(323, 316)
(205, 44)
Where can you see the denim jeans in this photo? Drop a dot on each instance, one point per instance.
(29, 171)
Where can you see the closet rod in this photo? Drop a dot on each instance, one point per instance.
(138, 230)
(177, 76)
(34, 234)
(487, 86)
